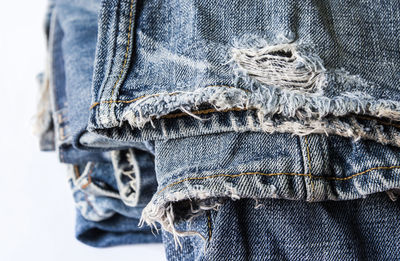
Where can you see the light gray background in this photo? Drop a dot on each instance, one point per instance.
(36, 208)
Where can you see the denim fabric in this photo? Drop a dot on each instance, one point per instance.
(260, 130)
(275, 229)
(105, 216)
(200, 173)
(61, 105)
(114, 231)
(291, 66)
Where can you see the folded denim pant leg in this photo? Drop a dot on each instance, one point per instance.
(213, 84)
(109, 198)
(168, 70)
(277, 229)
(258, 196)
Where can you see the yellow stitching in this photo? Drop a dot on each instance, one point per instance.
(157, 94)
(309, 167)
(276, 174)
(209, 225)
(360, 173)
(127, 49)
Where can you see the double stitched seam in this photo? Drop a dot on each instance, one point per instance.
(209, 225)
(277, 174)
(157, 94)
(309, 168)
(126, 51)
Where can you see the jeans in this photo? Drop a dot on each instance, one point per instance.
(243, 130)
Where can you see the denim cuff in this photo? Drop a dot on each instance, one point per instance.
(269, 76)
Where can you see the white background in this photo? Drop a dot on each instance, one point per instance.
(37, 215)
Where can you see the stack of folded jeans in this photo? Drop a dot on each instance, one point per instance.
(240, 129)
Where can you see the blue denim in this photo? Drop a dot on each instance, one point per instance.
(114, 231)
(106, 212)
(267, 121)
(199, 173)
(276, 229)
(170, 70)
(61, 105)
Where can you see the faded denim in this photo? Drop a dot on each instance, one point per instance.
(274, 125)
(171, 70)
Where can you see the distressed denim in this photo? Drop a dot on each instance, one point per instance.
(170, 70)
(274, 125)
(109, 198)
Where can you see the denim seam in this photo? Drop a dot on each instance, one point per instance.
(126, 51)
(278, 174)
(112, 56)
(207, 111)
(309, 167)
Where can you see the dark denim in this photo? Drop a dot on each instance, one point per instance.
(201, 173)
(276, 229)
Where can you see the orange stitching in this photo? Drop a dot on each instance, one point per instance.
(157, 94)
(276, 174)
(360, 173)
(89, 178)
(309, 167)
(94, 105)
(209, 225)
(76, 170)
(127, 49)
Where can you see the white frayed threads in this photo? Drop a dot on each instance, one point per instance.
(164, 215)
(281, 66)
(128, 190)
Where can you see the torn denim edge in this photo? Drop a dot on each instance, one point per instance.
(170, 127)
(285, 80)
(211, 193)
